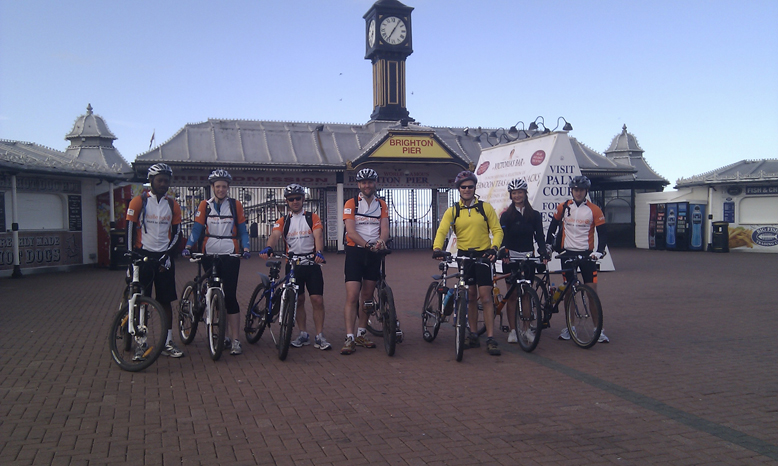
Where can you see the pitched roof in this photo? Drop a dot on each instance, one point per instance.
(30, 157)
(744, 171)
(625, 150)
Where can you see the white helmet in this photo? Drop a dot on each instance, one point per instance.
(367, 174)
(219, 175)
(517, 184)
(160, 169)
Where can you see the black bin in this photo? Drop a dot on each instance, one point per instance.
(720, 237)
(118, 248)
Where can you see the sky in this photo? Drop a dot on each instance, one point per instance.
(695, 81)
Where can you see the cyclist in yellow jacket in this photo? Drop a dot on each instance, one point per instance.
(472, 221)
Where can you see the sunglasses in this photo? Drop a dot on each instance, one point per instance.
(470, 186)
(294, 199)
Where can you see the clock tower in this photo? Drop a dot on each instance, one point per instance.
(388, 42)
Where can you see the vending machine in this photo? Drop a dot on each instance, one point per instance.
(672, 212)
(661, 210)
(682, 227)
(652, 226)
(696, 227)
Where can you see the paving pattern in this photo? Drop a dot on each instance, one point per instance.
(690, 377)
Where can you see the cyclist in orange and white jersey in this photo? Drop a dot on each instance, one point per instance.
(580, 219)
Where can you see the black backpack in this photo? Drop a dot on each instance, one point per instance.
(288, 218)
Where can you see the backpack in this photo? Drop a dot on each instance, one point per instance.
(356, 212)
(233, 210)
(181, 242)
(288, 219)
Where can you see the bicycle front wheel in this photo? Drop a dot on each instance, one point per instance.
(217, 325)
(389, 316)
(135, 353)
(256, 315)
(584, 316)
(187, 312)
(529, 318)
(542, 292)
(289, 300)
(461, 325)
(431, 313)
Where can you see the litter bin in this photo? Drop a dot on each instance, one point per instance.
(118, 248)
(720, 237)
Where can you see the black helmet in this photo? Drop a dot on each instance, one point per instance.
(294, 188)
(220, 175)
(367, 174)
(465, 175)
(160, 169)
(580, 182)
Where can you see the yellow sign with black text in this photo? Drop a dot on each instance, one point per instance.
(415, 147)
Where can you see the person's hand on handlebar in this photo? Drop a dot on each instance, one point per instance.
(186, 253)
(319, 258)
(491, 254)
(596, 256)
(265, 253)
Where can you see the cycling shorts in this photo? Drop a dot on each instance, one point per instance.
(362, 264)
(310, 277)
(479, 273)
(162, 280)
(588, 269)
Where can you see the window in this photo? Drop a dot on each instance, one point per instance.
(618, 211)
(39, 211)
(758, 210)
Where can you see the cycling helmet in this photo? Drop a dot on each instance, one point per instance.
(465, 175)
(294, 188)
(219, 175)
(517, 184)
(160, 169)
(367, 174)
(580, 182)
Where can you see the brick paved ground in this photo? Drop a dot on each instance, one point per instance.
(689, 378)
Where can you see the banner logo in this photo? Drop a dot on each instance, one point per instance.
(538, 157)
(482, 168)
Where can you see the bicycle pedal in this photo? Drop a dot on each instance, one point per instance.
(506, 329)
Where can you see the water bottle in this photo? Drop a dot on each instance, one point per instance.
(497, 297)
(448, 302)
(558, 293)
(552, 291)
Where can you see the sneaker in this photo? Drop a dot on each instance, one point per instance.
(492, 348)
(528, 335)
(565, 334)
(236, 349)
(140, 350)
(512, 337)
(172, 350)
(320, 343)
(472, 341)
(603, 338)
(364, 342)
(227, 343)
(301, 341)
(349, 346)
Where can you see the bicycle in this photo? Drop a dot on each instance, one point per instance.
(583, 310)
(267, 302)
(381, 313)
(139, 329)
(529, 319)
(203, 300)
(457, 302)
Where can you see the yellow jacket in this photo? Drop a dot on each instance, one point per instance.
(471, 229)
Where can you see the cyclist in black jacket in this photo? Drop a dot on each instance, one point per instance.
(520, 224)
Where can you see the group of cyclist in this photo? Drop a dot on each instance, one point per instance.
(219, 231)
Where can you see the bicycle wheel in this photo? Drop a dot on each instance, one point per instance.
(374, 324)
(529, 319)
(135, 353)
(217, 325)
(256, 315)
(461, 325)
(584, 316)
(389, 316)
(430, 315)
(289, 302)
(187, 312)
(542, 293)
(127, 339)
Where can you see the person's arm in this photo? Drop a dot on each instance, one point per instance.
(133, 215)
(318, 242)
(243, 232)
(494, 226)
(351, 232)
(443, 227)
(381, 244)
(602, 239)
(539, 237)
(198, 226)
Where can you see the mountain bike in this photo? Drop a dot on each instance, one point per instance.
(528, 317)
(275, 298)
(583, 310)
(457, 302)
(203, 300)
(381, 313)
(139, 330)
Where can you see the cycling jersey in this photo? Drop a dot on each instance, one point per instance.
(579, 223)
(471, 228)
(225, 231)
(153, 232)
(367, 218)
(299, 239)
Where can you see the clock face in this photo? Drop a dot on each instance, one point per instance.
(371, 33)
(393, 30)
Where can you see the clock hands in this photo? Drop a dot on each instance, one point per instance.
(393, 29)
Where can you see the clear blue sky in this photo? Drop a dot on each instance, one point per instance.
(695, 81)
